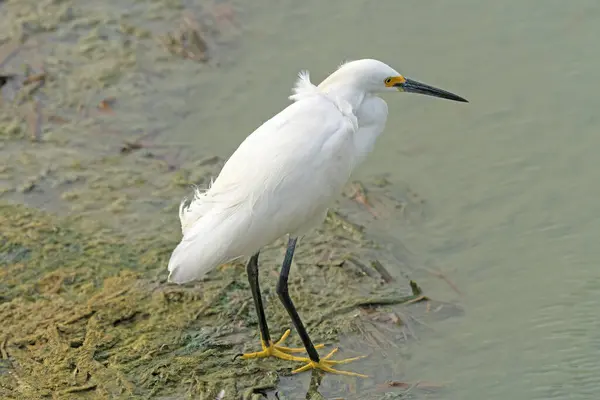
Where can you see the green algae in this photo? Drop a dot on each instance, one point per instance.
(87, 313)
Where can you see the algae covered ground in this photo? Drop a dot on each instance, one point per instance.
(90, 182)
(88, 314)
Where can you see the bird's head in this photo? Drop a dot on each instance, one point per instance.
(373, 76)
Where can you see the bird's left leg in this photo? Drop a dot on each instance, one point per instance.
(269, 349)
(314, 361)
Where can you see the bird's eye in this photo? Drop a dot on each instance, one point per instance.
(388, 81)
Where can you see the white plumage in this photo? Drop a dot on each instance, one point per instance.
(284, 176)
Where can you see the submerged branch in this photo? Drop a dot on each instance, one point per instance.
(415, 297)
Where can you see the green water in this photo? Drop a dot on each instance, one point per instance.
(511, 178)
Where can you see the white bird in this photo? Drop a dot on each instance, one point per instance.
(282, 179)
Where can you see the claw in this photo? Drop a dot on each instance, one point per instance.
(325, 364)
(278, 351)
(292, 349)
(285, 353)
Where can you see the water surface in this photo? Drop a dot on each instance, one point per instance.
(511, 178)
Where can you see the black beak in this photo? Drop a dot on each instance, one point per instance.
(411, 86)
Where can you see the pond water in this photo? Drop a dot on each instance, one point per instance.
(511, 178)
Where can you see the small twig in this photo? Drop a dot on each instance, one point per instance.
(83, 388)
(368, 271)
(390, 301)
(374, 303)
(129, 147)
(414, 385)
(3, 351)
(418, 385)
(444, 278)
(34, 78)
(79, 317)
(416, 300)
(385, 275)
(34, 120)
(360, 196)
(240, 311)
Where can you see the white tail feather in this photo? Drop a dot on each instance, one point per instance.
(206, 245)
(192, 210)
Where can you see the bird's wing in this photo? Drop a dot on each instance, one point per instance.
(191, 210)
(291, 140)
(276, 179)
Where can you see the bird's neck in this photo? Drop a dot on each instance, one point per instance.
(346, 93)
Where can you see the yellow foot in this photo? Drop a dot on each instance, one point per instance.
(325, 364)
(275, 350)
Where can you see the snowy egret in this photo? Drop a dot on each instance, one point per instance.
(282, 179)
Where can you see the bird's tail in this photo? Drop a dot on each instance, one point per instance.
(210, 242)
(192, 209)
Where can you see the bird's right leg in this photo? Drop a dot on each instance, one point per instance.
(313, 361)
(269, 349)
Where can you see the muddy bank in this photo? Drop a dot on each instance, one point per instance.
(87, 95)
(88, 314)
(88, 92)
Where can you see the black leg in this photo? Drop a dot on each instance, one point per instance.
(252, 270)
(284, 296)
